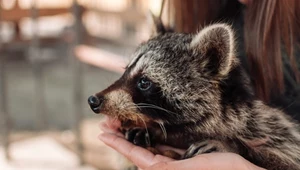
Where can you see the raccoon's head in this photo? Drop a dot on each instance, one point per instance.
(173, 78)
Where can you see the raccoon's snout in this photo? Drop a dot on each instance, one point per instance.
(95, 103)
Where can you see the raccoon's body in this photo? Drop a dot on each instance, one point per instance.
(190, 92)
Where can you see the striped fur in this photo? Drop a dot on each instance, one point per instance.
(199, 93)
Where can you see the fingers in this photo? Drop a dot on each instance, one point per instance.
(108, 125)
(115, 139)
(190, 164)
(139, 156)
(213, 161)
(112, 122)
(146, 160)
(106, 129)
(166, 148)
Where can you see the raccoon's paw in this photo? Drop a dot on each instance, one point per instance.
(139, 136)
(208, 146)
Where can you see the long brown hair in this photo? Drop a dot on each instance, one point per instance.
(270, 27)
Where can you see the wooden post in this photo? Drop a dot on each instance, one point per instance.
(77, 81)
(35, 56)
(4, 115)
(5, 118)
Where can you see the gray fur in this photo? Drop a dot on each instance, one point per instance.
(211, 100)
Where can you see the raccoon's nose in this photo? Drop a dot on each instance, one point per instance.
(95, 103)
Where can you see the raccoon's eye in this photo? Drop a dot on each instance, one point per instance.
(144, 84)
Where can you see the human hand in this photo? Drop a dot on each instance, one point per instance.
(113, 138)
(145, 159)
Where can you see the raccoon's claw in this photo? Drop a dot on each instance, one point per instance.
(208, 146)
(138, 136)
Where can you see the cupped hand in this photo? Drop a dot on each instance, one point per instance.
(145, 159)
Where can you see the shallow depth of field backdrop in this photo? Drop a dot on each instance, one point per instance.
(47, 71)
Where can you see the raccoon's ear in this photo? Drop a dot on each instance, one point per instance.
(158, 27)
(215, 44)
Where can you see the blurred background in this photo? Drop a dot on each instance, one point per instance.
(54, 54)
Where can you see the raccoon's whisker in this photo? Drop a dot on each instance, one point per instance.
(145, 105)
(147, 132)
(128, 106)
(158, 108)
(155, 107)
(163, 129)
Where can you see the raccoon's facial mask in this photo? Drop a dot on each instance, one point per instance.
(137, 99)
(144, 84)
(164, 81)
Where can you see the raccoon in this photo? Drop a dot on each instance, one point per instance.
(191, 92)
